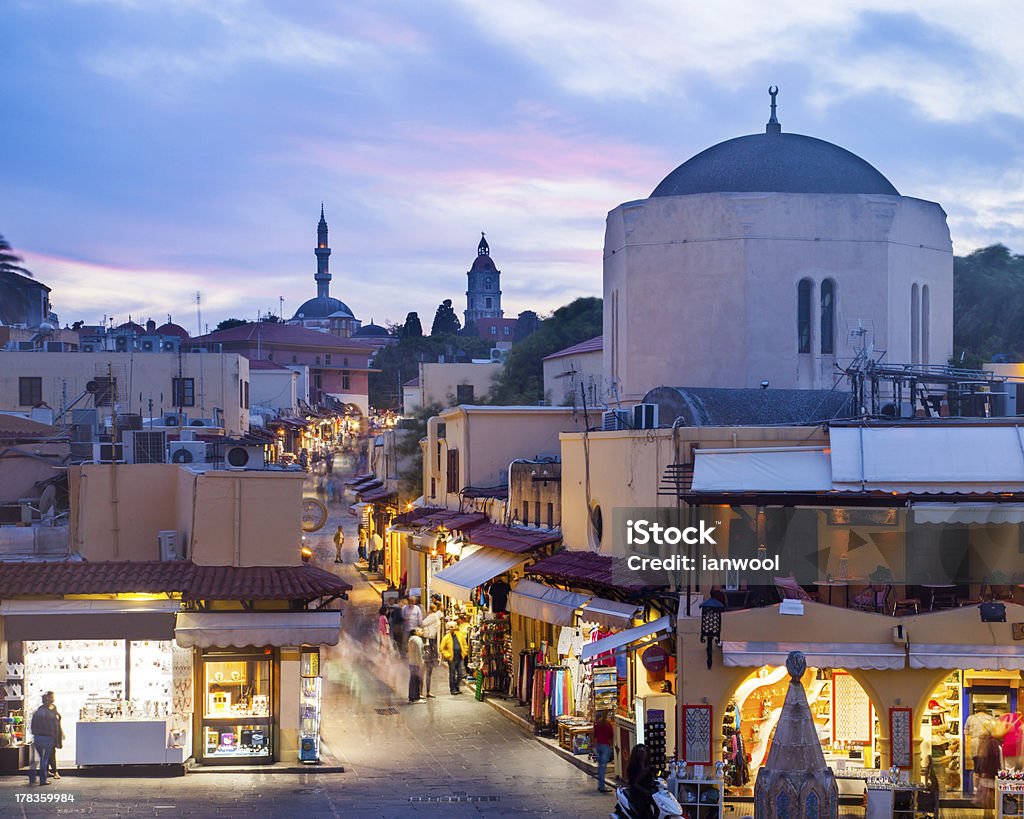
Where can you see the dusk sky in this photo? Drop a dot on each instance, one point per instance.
(152, 149)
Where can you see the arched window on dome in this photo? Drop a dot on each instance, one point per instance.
(915, 324)
(828, 317)
(804, 291)
(926, 319)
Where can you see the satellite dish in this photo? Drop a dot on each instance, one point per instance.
(48, 501)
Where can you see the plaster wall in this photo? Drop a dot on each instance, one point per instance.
(701, 290)
(564, 375)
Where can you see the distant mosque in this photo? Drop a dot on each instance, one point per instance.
(325, 313)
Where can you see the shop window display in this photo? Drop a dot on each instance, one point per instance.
(236, 706)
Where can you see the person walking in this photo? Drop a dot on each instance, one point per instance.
(987, 765)
(362, 543)
(395, 626)
(603, 739)
(414, 656)
(383, 629)
(339, 544)
(58, 741)
(453, 651)
(44, 732)
(412, 617)
(431, 628)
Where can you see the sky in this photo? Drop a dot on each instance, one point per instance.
(150, 151)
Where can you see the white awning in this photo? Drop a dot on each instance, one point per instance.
(624, 638)
(877, 656)
(544, 603)
(89, 619)
(963, 513)
(928, 458)
(474, 569)
(762, 469)
(223, 629)
(610, 613)
(979, 658)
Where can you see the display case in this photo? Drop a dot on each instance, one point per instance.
(700, 798)
(1009, 797)
(309, 705)
(236, 701)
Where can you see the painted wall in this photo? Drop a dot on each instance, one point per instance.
(223, 517)
(439, 382)
(274, 389)
(701, 290)
(564, 375)
(627, 467)
(488, 439)
(141, 378)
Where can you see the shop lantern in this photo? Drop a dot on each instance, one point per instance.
(711, 624)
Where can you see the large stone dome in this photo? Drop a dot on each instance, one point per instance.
(321, 308)
(775, 163)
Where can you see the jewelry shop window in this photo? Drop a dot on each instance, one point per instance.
(237, 717)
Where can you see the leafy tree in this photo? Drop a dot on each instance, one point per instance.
(445, 320)
(270, 318)
(412, 327)
(988, 299)
(522, 378)
(469, 330)
(9, 262)
(228, 323)
(526, 323)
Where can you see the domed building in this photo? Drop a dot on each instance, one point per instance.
(483, 291)
(172, 329)
(372, 330)
(324, 312)
(772, 257)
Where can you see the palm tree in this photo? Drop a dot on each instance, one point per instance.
(9, 261)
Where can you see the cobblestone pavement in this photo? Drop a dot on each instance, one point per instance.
(448, 757)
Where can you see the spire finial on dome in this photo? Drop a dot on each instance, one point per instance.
(773, 126)
(482, 249)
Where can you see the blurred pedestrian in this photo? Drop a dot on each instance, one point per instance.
(339, 544)
(362, 543)
(412, 617)
(431, 629)
(987, 766)
(1013, 740)
(414, 656)
(383, 629)
(395, 626)
(603, 739)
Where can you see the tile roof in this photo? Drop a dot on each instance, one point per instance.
(192, 581)
(510, 539)
(435, 516)
(265, 364)
(412, 382)
(15, 426)
(587, 568)
(591, 345)
(376, 495)
(276, 333)
(359, 479)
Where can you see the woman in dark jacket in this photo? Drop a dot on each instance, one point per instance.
(640, 777)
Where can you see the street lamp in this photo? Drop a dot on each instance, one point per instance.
(711, 624)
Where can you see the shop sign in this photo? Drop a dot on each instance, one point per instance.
(1018, 630)
(314, 515)
(655, 659)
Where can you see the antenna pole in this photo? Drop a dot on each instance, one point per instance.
(199, 314)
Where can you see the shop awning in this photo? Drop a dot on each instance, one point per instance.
(377, 495)
(89, 619)
(964, 513)
(474, 569)
(236, 629)
(979, 658)
(544, 603)
(511, 539)
(762, 469)
(624, 638)
(610, 613)
(877, 656)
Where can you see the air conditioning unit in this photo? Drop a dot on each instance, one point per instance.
(202, 422)
(26, 346)
(121, 344)
(187, 452)
(244, 457)
(145, 447)
(57, 347)
(88, 348)
(171, 419)
(149, 344)
(615, 419)
(645, 416)
(168, 539)
(169, 345)
(108, 453)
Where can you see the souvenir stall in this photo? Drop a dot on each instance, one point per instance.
(122, 686)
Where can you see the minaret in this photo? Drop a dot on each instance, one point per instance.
(483, 295)
(323, 254)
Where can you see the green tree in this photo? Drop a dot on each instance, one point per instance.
(445, 320)
(9, 261)
(522, 378)
(526, 323)
(470, 330)
(412, 327)
(988, 299)
(228, 323)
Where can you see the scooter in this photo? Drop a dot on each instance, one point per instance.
(666, 806)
